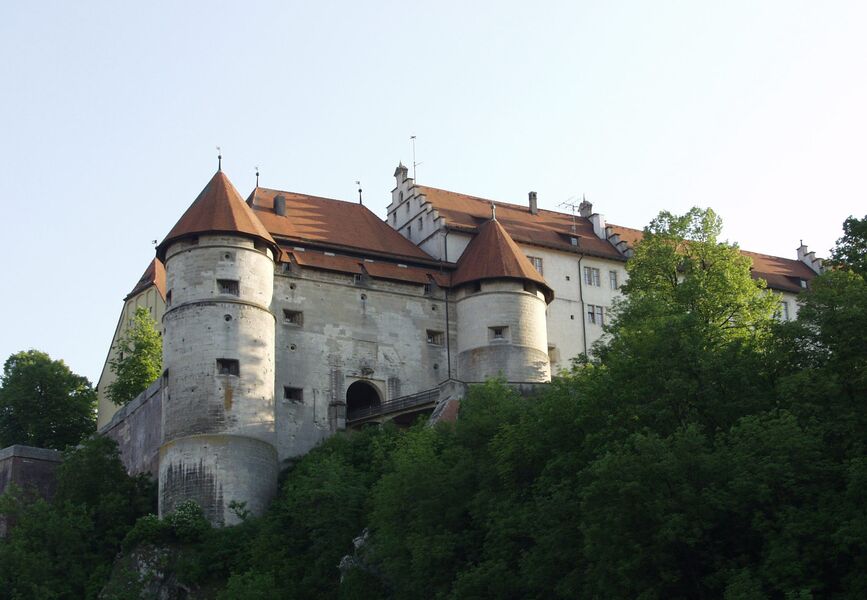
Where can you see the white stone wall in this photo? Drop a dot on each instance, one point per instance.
(234, 414)
(376, 332)
(522, 353)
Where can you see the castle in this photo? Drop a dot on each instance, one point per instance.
(288, 317)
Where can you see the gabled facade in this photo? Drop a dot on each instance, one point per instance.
(287, 317)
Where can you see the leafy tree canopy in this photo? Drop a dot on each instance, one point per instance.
(851, 250)
(139, 360)
(43, 403)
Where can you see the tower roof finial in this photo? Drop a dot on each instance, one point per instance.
(493, 212)
(257, 175)
(219, 159)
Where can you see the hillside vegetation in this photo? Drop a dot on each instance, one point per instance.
(707, 450)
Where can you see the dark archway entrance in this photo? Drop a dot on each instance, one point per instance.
(361, 398)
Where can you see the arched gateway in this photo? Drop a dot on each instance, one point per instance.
(361, 396)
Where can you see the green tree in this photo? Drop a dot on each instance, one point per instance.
(65, 547)
(686, 341)
(139, 361)
(850, 252)
(43, 403)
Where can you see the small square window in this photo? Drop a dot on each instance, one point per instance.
(293, 394)
(499, 332)
(293, 317)
(428, 289)
(476, 287)
(228, 286)
(437, 338)
(228, 366)
(358, 279)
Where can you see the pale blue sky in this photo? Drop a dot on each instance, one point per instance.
(111, 111)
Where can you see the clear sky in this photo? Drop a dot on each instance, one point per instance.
(110, 113)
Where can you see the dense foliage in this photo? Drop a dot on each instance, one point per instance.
(64, 548)
(139, 360)
(43, 403)
(706, 450)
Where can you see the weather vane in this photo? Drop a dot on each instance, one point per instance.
(219, 159)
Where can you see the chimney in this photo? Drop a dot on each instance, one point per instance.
(585, 209)
(534, 207)
(280, 205)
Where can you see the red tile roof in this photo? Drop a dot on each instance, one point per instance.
(331, 222)
(493, 254)
(782, 274)
(218, 208)
(378, 269)
(155, 275)
(553, 229)
(548, 228)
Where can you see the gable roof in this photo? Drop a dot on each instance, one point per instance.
(553, 229)
(493, 254)
(547, 228)
(154, 275)
(218, 208)
(332, 223)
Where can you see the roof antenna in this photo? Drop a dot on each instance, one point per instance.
(257, 175)
(219, 159)
(414, 164)
(572, 206)
(493, 212)
(358, 183)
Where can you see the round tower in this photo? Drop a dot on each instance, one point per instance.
(219, 443)
(501, 302)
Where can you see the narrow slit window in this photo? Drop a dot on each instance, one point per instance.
(228, 286)
(228, 366)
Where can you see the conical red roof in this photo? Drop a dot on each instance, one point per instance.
(493, 254)
(219, 208)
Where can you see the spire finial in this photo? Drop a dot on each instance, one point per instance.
(219, 159)
(257, 175)
(493, 212)
(358, 183)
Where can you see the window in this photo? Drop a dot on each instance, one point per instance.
(228, 286)
(293, 394)
(169, 298)
(537, 263)
(595, 315)
(783, 311)
(400, 197)
(476, 288)
(573, 241)
(612, 279)
(228, 366)
(435, 337)
(428, 289)
(409, 231)
(407, 207)
(293, 317)
(420, 223)
(591, 276)
(499, 332)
